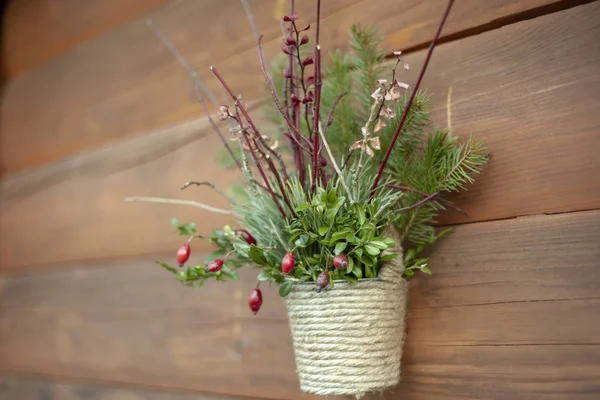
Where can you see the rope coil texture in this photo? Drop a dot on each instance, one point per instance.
(348, 339)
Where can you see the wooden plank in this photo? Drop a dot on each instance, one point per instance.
(538, 153)
(36, 32)
(508, 313)
(127, 83)
(17, 388)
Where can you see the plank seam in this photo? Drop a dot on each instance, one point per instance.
(502, 22)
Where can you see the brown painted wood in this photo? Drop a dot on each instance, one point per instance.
(37, 31)
(541, 163)
(126, 83)
(17, 388)
(508, 313)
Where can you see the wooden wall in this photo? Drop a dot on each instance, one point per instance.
(96, 109)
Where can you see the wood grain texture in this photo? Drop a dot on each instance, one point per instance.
(127, 83)
(37, 31)
(16, 388)
(541, 159)
(508, 313)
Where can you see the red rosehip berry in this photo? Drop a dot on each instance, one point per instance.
(322, 281)
(340, 261)
(183, 253)
(287, 263)
(215, 265)
(255, 300)
(246, 235)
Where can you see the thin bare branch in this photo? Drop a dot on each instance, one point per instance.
(181, 202)
(209, 184)
(333, 106)
(216, 128)
(317, 101)
(410, 100)
(440, 199)
(334, 163)
(175, 51)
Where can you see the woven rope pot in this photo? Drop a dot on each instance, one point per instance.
(348, 339)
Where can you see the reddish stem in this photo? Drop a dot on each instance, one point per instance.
(410, 100)
(419, 203)
(317, 101)
(330, 116)
(441, 200)
(297, 143)
(256, 162)
(272, 90)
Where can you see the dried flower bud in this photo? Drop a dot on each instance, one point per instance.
(381, 81)
(223, 112)
(379, 126)
(387, 113)
(290, 41)
(376, 94)
(286, 73)
(308, 61)
(291, 18)
(308, 98)
(322, 161)
(295, 99)
(322, 281)
(304, 40)
(394, 92)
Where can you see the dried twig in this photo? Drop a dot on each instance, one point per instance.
(181, 202)
(410, 100)
(209, 184)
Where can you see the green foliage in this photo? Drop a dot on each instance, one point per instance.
(325, 225)
(232, 248)
(367, 60)
(342, 216)
(424, 158)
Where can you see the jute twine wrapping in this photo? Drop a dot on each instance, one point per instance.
(348, 339)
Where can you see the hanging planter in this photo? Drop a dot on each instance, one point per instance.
(330, 230)
(342, 350)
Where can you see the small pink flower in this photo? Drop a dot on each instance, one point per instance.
(223, 112)
(304, 40)
(290, 41)
(286, 73)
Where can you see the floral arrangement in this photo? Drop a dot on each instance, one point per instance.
(362, 160)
